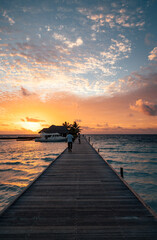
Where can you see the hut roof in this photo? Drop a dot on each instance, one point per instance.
(55, 129)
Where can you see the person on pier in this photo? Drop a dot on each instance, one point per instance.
(70, 141)
(79, 138)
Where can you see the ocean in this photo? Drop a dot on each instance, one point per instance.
(22, 161)
(137, 155)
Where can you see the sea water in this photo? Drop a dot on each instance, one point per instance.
(137, 155)
(22, 161)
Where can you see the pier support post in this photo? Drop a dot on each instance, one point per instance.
(121, 172)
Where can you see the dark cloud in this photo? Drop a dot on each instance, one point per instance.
(25, 92)
(119, 130)
(145, 107)
(78, 120)
(87, 128)
(150, 110)
(141, 81)
(102, 125)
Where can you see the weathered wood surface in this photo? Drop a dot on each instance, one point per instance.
(78, 197)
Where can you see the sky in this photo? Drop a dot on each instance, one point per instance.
(90, 61)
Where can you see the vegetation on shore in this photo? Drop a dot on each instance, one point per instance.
(74, 128)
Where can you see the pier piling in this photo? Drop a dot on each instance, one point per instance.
(121, 172)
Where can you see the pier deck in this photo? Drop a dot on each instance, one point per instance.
(78, 197)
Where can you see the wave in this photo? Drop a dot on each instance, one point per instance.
(52, 154)
(126, 151)
(5, 170)
(10, 187)
(116, 162)
(48, 159)
(11, 163)
(17, 171)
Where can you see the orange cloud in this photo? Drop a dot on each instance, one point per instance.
(100, 114)
(153, 55)
(33, 120)
(96, 17)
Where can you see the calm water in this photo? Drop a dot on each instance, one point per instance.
(22, 161)
(137, 154)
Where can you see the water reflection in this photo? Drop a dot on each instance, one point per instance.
(21, 162)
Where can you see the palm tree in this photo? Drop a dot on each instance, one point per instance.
(74, 128)
(67, 125)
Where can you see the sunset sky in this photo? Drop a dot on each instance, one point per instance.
(90, 61)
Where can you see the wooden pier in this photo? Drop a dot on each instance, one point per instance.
(78, 196)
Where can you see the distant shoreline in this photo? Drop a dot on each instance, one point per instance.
(18, 136)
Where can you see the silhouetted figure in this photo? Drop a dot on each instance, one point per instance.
(70, 142)
(79, 138)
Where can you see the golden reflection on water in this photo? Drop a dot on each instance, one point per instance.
(21, 162)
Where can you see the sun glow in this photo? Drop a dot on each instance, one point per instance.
(33, 126)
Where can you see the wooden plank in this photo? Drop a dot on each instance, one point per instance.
(79, 196)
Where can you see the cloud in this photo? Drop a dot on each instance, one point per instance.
(96, 17)
(33, 54)
(145, 107)
(118, 130)
(110, 112)
(16, 131)
(87, 128)
(78, 120)
(78, 43)
(69, 43)
(25, 92)
(110, 20)
(153, 55)
(66, 59)
(116, 17)
(123, 46)
(119, 49)
(102, 125)
(4, 45)
(33, 120)
(27, 119)
(11, 21)
(49, 70)
(130, 19)
(4, 125)
(144, 81)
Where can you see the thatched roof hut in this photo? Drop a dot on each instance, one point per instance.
(62, 130)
